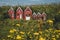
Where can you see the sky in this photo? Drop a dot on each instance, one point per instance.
(26, 2)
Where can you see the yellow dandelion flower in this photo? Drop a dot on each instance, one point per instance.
(46, 30)
(46, 35)
(53, 35)
(9, 36)
(57, 30)
(41, 38)
(50, 29)
(31, 29)
(50, 22)
(22, 38)
(57, 36)
(18, 25)
(53, 38)
(22, 32)
(40, 32)
(30, 36)
(58, 33)
(28, 33)
(36, 33)
(18, 37)
(14, 30)
(11, 31)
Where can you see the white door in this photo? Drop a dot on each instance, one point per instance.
(20, 16)
(27, 17)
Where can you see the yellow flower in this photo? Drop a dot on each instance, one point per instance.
(59, 33)
(50, 29)
(31, 29)
(57, 30)
(46, 35)
(14, 30)
(30, 37)
(50, 22)
(22, 32)
(57, 36)
(53, 38)
(36, 33)
(11, 31)
(28, 33)
(9, 35)
(18, 37)
(41, 38)
(46, 30)
(18, 25)
(40, 32)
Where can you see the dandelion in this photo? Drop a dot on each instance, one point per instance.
(9, 36)
(11, 31)
(32, 30)
(57, 36)
(53, 38)
(18, 37)
(50, 22)
(30, 36)
(28, 33)
(46, 30)
(57, 30)
(18, 25)
(36, 33)
(41, 38)
(14, 29)
(22, 32)
(46, 35)
(50, 29)
(59, 33)
(40, 32)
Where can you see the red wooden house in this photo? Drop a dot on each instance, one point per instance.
(39, 15)
(44, 16)
(34, 16)
(19, 13)
(27, 13)
(11, 13)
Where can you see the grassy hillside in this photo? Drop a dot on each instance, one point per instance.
(32, 29)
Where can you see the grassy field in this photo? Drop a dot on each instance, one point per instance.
(28, 30)
(32, 29)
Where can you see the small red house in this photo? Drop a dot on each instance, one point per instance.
(11, 13)
(27, 13)
(44, 16)
(34, 16)
(19, 13)
(39, 15)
